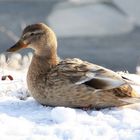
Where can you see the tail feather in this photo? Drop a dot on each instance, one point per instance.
(132, 103)
(131, 100)
(129, 96)
(126, 91)
(129, 81)
(127, 78)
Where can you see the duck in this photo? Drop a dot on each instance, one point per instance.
(70, 82)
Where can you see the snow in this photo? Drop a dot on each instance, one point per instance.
(94, 17)
(79, 2)
(88, 20)
(22, 118)
(131, 8)
(65, 114)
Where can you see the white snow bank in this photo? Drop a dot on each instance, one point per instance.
(94, 17)
(131, 8)
(88, 1)
(29, 120)
(88, 20)
(15, 61)
(22, 118)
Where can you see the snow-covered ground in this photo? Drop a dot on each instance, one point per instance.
(22, 118)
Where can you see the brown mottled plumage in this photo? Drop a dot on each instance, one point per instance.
(71, 82)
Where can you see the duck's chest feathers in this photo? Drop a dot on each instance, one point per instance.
(37, 74)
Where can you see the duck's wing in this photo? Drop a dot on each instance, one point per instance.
(82, 72)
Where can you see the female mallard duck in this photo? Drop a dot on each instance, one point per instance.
(71, 82)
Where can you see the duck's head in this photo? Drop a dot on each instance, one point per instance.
(39, 37)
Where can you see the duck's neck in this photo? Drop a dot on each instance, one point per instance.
(42, 64)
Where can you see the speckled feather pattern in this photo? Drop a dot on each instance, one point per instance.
(57, 87)
(71, 82)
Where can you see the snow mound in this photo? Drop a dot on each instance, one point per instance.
(94, 17)
(62, 114)
(22, 118)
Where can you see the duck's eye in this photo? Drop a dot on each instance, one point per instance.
(32, 34)
(27, 35)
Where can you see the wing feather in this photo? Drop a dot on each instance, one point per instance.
(82, 72)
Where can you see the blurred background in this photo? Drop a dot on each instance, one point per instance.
(105, 32)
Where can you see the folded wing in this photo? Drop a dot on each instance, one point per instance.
(82, 72)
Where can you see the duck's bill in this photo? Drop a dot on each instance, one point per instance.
(19, 45)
